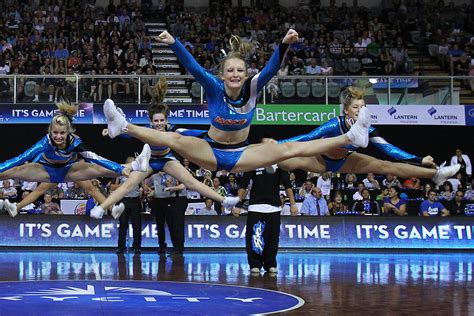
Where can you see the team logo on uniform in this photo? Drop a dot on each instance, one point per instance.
(140, 297)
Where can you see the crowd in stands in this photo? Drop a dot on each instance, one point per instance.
(334, 40)
(69, 36)
(319, 194)
(72, 37)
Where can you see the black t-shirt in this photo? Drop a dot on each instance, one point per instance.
(266, 186)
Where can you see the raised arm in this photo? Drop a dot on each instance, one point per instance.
(28, 155)
(206, 79)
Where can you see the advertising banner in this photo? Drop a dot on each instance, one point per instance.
(469, 115)
(294, 114)
(228, 231)
(418, 114)
(41, 113)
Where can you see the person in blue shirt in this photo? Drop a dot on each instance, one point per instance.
(315, 204)
(432, 207)
(394, 204)
(232, 99)
(163, 159)
(61, 156)
(346, 159)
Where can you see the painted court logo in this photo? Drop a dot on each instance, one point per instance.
(140, 297)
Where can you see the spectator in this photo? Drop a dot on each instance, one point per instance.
(324, 183)
(336, 206)
(306, 189)
(313, 68)
(208, 208)
(391, 181)
(383, 194)
(412, 183)
(315, 204)
(457, 206)
(49, 207)
(394, 205)
(465, 162)
(370, 182)
(366, 206)
(358, 195)
(231, 187)
(447, 193)
(216, 186)
(8, 191)
(431, 207)
(351, 180)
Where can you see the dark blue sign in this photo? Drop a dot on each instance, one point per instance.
(41, 113)
(228, 232)
(469, 115)
(139, 297)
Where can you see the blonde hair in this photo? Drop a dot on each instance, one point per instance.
(239, 49)
(349, 94)
(156, 104)
(64, 116)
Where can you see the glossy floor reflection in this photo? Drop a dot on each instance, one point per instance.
(329, 282)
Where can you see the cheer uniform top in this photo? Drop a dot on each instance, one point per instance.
(56, 161)
(225, 113)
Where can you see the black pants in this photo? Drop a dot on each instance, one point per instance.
(170, 211)
(261, 239)
(133, 211)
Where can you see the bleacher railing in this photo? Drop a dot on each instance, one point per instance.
(386, 90)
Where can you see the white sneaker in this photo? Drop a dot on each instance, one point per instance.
(117, 210)
(445, 172)
(35, 100)
(1, 205)
(271, 169)
(97, 212)
(230, 201)
(116, 122)
(359, 132)
(11, 208)
(272, 270)
(255, 270)
(143, 160)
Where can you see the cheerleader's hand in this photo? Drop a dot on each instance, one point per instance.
(291, 37)
(105, 132)
(166, 38)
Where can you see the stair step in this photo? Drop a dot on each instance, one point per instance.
(178, 100)
(467, 100)
(176, 82)
(167, 73)
(174, 90)
(166, 58)
(163, 51)
(167, 66)
(158, 44)
(155, 24)
(157, 31)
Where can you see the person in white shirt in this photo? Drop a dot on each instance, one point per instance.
(370, 182)
(208, 209)
(465, 162)
(358, 195)
(324, 183)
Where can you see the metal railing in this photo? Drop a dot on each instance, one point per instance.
(183, 89)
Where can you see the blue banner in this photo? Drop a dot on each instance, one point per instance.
(222, 231)
(41, 113)
(469, 115)
(396, 83)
